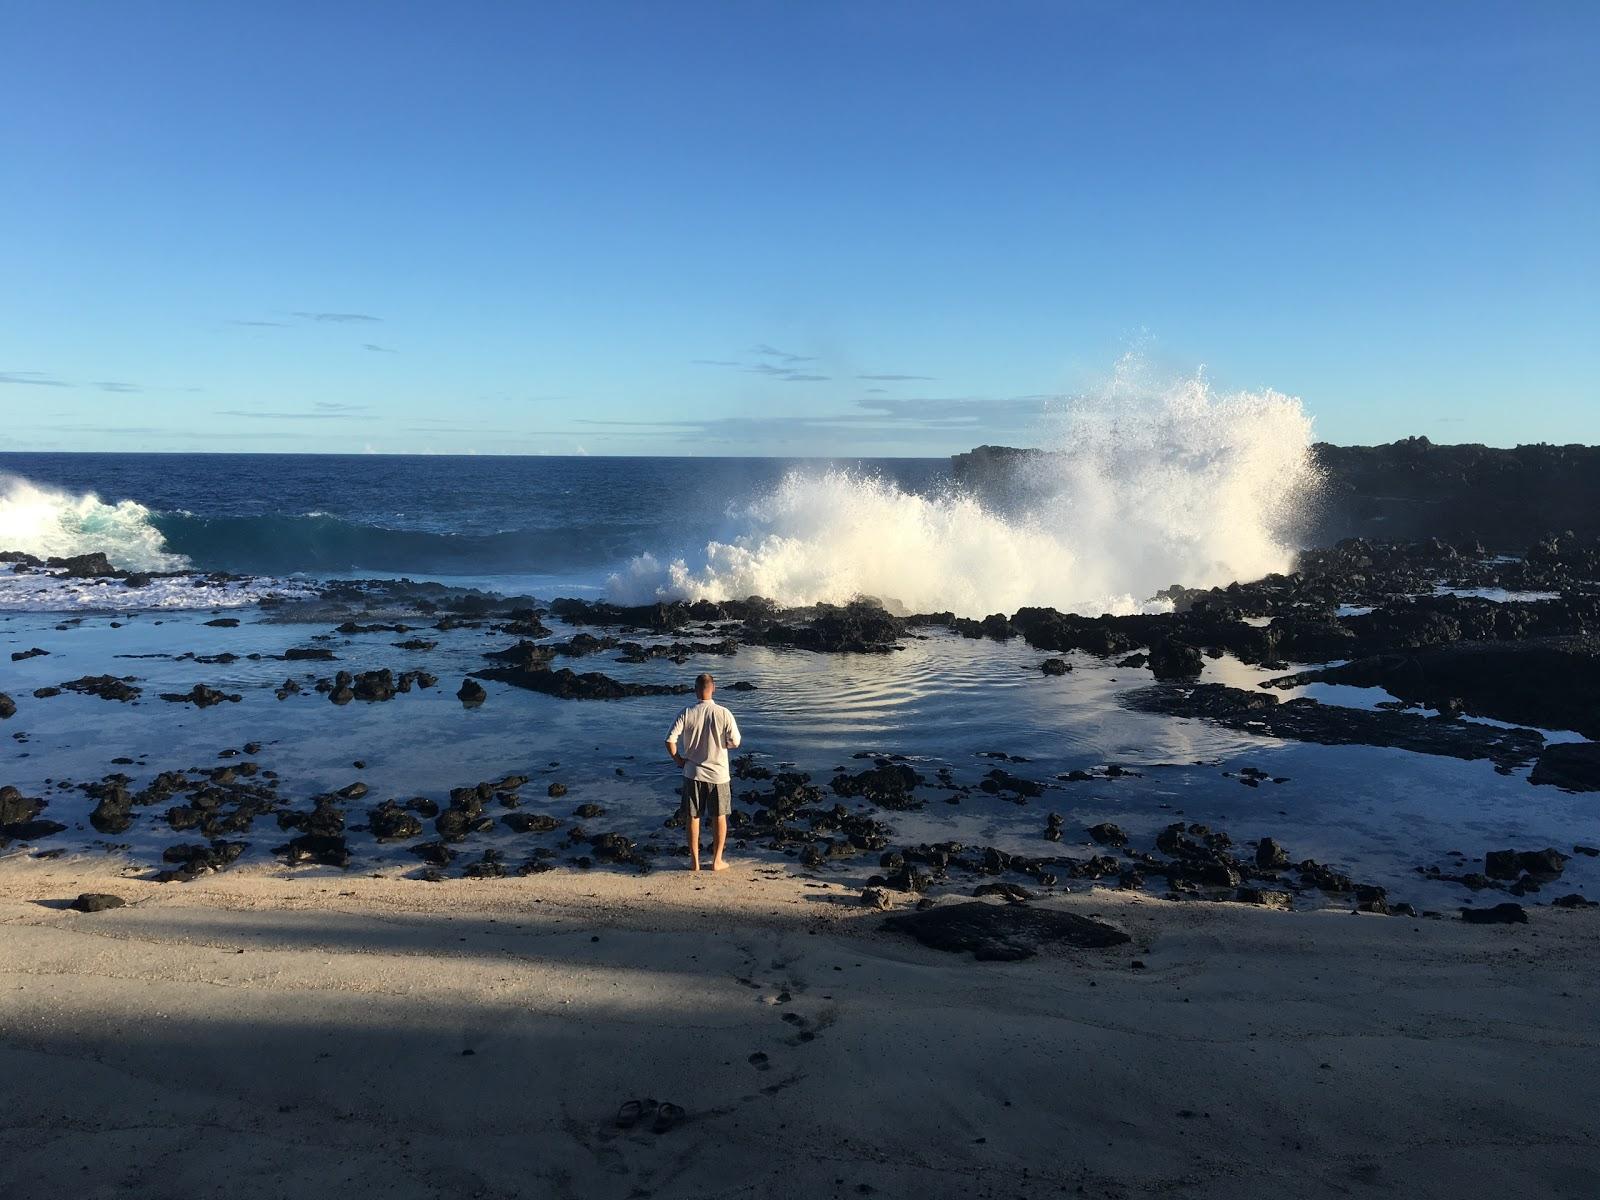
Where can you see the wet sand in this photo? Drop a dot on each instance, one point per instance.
(262, 1034)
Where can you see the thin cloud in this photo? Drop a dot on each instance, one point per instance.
(783, 369)
(961, 411)
(32, 379)
(857, 429)
(788, 374)
(934, 420)
(893, 378)
(332, 406)
(312, 415)
(116, 385)
(335, 318)
(773, 352)
(376, 349)
(262, 324)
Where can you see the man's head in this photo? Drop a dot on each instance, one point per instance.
(704, 685)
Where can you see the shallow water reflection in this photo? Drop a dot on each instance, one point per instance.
(943, 701)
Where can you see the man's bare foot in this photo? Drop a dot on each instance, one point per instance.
(694, 866)
(719, 865)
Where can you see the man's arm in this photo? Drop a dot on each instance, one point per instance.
(733, 740)
(672, 740)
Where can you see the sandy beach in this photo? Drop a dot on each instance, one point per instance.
(262, 1034)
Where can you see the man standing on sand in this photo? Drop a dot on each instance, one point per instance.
(707, 731)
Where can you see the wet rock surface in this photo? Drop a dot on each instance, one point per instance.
(1574, 766)
(1331, 725)
(569, 685)
(106, 687)
(201, 696)
(1551, 683)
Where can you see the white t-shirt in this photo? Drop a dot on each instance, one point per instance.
(704, 733)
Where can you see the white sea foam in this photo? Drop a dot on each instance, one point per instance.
(1148, 485)
(48, 592)
(45, 522)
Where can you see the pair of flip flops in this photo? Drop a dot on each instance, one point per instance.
(667, 1115)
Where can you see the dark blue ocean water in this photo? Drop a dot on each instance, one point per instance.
(475, 517)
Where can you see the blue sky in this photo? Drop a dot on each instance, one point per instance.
(807, 228)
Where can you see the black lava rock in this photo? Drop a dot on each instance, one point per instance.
(1270, 856)
(93, 902)
(200, 696)
(1108, 834)
(1571, 765)
(1172, 659)
(1002, 932)
(1500, 914)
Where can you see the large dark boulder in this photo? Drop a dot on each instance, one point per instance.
(16, 808)
(1500, 914)
(1172, 659)
(114, 812)
(83, 566)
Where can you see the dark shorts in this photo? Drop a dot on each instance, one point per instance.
(706, 799)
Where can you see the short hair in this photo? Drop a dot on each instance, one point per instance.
(702, 681)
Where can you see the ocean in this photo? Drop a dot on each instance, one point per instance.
(518, 523)
(1186, 487)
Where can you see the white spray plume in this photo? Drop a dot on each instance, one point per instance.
(1146, 485)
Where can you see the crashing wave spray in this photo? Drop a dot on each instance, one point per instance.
(1146, 486)
(48, 523)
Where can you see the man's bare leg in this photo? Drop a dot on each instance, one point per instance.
(694, 843)
(720, 836)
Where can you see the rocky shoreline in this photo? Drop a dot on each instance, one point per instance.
(1394, 616)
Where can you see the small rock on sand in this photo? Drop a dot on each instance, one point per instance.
(93, 902)
(1002, 932)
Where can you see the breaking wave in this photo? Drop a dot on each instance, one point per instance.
(1144, 486)
(46, 522)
